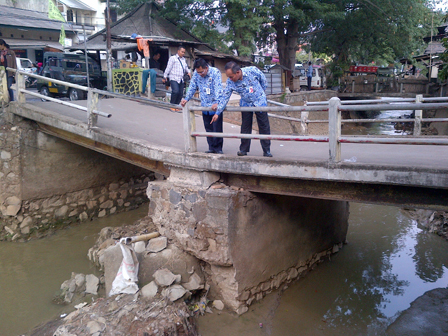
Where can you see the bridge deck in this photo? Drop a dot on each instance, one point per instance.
(158, 135)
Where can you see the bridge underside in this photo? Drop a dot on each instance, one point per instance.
(402, 196)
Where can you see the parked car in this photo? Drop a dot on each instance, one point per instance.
(69, 68)
(318, 80)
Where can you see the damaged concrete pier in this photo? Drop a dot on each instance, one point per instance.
(250, 243)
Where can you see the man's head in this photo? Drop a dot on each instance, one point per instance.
(233, 71)
(2, 44)
(309, 63)
(201, 67)
(156, 56)
(181, 51)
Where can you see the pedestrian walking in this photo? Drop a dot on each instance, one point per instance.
(250, 83)
(177, 70)
(207, 80)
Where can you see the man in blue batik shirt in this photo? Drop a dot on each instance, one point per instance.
(207, 80)
(250, 83)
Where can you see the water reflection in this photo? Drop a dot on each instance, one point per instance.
(387, 264)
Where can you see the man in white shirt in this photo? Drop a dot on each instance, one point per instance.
(175, 70)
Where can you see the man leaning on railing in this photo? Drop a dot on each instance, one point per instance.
(250, 83)
(207, 80)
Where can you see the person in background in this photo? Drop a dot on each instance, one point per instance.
(8, 59)
(154, 61)
(250, 83)
(175, 70)
(309, 75)
(207, 80)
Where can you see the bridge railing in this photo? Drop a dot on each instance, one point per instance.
(93, 96)
(334, 107)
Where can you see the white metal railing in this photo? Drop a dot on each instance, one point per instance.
(334, 107)
(93, 96)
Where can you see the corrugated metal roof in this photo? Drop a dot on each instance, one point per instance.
(22, 43)
(77, 4)
(16, 17)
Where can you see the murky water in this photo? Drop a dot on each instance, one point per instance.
(388, 263)
(31, 273)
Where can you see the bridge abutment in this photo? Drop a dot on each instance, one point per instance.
(250, 243)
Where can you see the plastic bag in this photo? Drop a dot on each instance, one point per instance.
(125, 281)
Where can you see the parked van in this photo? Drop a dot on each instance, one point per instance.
(25, 64)
(318, 80)
(69, 68)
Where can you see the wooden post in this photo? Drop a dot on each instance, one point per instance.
(189, 127)
(418, 116)
(20, 80)
(334, 131)
(92, 103)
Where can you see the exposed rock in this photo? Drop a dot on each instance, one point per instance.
(218, 304)
(427, 316)
(157, 244)
(80, 280)
(175, 292)
(61, 212)
(150, 290)
(93, 327)
(194, 283)
(92, 284)
(139, 247)
(164, 277)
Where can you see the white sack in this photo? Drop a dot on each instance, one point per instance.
(126, 279)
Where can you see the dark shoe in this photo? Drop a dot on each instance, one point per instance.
(241, 153)
(219, 152)
(209, 151)
(267, 154)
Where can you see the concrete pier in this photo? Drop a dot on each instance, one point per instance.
(250, 243)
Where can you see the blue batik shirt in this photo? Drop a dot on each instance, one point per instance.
(251, 88)
(209, 87)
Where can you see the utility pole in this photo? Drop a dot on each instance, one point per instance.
(109, 49)
(87, 57)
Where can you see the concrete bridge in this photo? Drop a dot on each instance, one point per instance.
(256, 223)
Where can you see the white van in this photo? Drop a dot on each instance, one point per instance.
(25, 64)
(318, 80)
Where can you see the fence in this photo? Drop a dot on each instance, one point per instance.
(334, 107)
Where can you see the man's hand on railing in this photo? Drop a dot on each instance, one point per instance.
(183, 102)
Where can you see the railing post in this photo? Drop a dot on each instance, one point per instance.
(189, 127)
(304, 121)
(20, 80)
(4, 82)
(92, 103)
(334, 129)
(353, 86)
(418, 116)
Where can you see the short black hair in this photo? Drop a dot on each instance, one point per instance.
(2, 42)
(181, 47)
(309, 63)
(200, 63)
(233, 66)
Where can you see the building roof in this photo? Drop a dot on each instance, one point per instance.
(77, 4)
(144, 20)
(16, 17)
(32, 44)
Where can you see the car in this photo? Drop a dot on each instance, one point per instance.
(70, 68)
(25, 64)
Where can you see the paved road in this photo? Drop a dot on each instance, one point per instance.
(164, 128)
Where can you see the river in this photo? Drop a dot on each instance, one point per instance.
(387, 263)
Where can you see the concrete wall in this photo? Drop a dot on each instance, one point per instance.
(251, 243)
(46, 180)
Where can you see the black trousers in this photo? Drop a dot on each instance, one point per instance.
(263, 127)
(214, 144)
(177, 91)
(9, 82)
(309, 82)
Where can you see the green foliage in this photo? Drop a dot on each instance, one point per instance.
(443, 73)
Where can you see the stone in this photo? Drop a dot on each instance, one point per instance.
(62, 331)
(150, 290)
(13, 200)
(73, 213)
(93, 327)
(25, 230)
(157, 244)
(83, 216)
(164, 277)
(218, 304)
(139, 247)
(107, 205)
(113, 210)
(92, 284)
(102, 213)
(61, 212)
(26, 222)
(12, 210)
(241, 310)
(80, 280)
(194, 283)
(175, 292)
(5, 155)
(113, 186)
